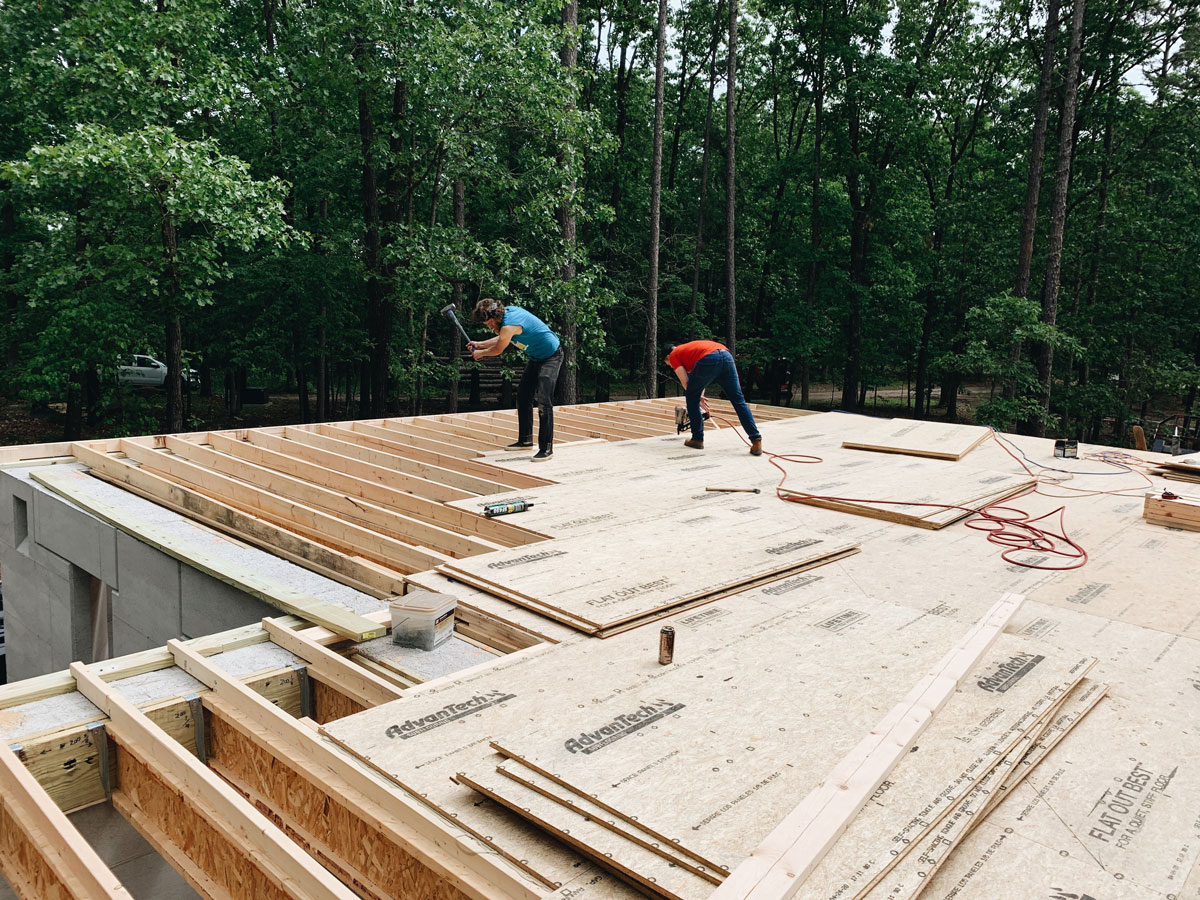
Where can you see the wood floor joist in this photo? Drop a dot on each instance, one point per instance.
(400, 844)
(318, 466)
(375, 513)
(297, 517)
(223, 834)
(41, 854)
(67, 484)
(343, 455)
(326, 666)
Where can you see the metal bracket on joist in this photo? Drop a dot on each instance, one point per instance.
(99, 736)
(18, 749)
(196, 708)
(306, 699)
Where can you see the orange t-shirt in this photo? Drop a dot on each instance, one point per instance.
(687, 355)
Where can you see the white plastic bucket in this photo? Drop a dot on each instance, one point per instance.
(423, 619)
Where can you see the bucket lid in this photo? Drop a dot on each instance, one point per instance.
(424, 601)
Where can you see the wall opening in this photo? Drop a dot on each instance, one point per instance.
(21, 525)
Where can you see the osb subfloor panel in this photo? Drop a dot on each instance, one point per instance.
(1112, 811)
(435, 732)
(935, 439)
(1132, 606)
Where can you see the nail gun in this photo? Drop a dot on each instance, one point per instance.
(681, 419)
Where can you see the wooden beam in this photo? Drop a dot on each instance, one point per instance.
(335, 618)
(266, 480)
(360, 685)
(488, 533)
(451, 435)
(334, 450)
(777, 868)
(433, 451)
(283, 513)
(412, 827)
(264, 847)
(53, 852)
(316, 466)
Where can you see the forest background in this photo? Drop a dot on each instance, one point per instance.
(864, 192)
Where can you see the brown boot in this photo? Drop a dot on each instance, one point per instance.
(756, 448)
(695, 445)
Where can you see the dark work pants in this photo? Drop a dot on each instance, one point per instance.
(538, 381)
(718, 366)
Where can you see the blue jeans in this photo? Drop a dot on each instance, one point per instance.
(718, 366)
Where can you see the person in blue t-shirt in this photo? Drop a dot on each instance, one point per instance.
(541, 345)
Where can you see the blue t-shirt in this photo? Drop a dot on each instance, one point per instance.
(536, 339)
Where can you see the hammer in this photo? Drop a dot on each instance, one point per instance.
(448, 312)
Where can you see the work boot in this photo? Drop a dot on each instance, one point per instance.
(695, 445)
(519, 445)
(756, 447)
(543, 455)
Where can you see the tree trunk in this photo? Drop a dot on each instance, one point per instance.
(322, 360)
(730, 181)
(814, 234)
(12, 299)
(174, 418)
(456, 348)
(1033, 184)
(568, 380)
(1044, 355)
(371, 257)
(704, 157)
(655, 204)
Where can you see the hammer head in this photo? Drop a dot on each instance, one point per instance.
(448, 311)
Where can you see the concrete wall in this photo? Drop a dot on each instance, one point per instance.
(50, 550)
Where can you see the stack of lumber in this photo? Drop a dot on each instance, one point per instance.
(937, 440)
(622, 580)
(1172, 510)
(1180, 468)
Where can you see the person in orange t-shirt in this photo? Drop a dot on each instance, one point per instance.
(697, 364)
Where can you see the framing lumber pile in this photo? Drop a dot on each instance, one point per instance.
(1180, 468)
(849, 715)
(1172, 510)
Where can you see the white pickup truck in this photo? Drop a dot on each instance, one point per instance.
(146, 371)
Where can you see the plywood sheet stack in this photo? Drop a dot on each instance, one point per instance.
(1180, 468)
(671, 776)
(626, 799)
(938, 440)
(422, 740)
(621, 580)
